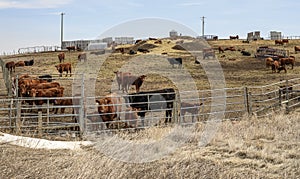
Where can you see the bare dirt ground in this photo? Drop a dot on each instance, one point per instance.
(250, 148)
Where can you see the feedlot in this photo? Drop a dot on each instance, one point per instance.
(231, 73)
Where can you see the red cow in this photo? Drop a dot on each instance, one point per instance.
(269, 62)
(285, 41)
(109, 108)
(280, 42)
(64, 67)
(288, 61)
(297, 48)
(20, 64)
(131, 117)
(61, 57)
(221, 50)
(50, 92)
(10, 66)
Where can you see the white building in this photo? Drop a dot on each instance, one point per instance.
(274, 35)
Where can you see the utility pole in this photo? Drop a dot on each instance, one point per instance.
(62, 29)
(202, 18)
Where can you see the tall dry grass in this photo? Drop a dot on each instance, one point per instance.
(250, 148)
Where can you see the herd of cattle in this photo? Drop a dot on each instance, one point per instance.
(109, 107)
(43, 89)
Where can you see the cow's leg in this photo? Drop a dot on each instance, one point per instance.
(142, 115)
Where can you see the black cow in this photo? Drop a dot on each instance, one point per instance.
(245, 53)
(29, 63)
(46, 77)
(152, 100)
(175, 61)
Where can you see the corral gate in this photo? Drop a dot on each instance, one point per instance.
(19, 116)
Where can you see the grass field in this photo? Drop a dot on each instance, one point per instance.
(249, 148)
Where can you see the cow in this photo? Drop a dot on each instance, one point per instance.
(175, 61)
(64, 67)
(297, 48)
(230, 48)
(45, 85)
(73, 48)
(63, 103)
(82, 56)
(208, 52)
(279, 42)
(269, 62)
(143, 50)
(119, 78)
(221, 49)
(189, 108)
(46, 93)
(288, 61)
(20, 64)
(131, 117)
(61, 57)
(152, 100)
(285, 41)
(128, 80)
(48, 78)
(234, 37)
(245, 53)
(109, 108)
(276, 66)
(29, 63)
(10, 66)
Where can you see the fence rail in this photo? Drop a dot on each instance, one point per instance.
(21, 115)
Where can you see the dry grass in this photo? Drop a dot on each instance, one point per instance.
(251, 148)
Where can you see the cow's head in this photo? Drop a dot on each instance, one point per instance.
(103, 105)
(142, 77)
(33, 92)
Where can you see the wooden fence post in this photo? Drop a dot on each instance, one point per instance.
(246, 98)
(18, 118)
(40, 124)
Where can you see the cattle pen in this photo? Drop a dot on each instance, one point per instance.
(18, 114)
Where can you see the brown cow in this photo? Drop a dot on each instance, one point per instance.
(276, 66)
(131, 117)
(285, 41)
(109, 108)
(10, 66)
(82, 56)
(297, 48)
(64, 67)
(50, 92)
(278, 42)
(230, 48)
(269, 62)
(20, 64)
(288, 61)
(63, 102)
(61, 57)
(119, 77)
(189, 108)
(221, 49)
(128, 80)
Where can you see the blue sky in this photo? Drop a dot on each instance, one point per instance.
(26, 23)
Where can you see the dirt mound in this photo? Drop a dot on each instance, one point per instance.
(191, 46)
